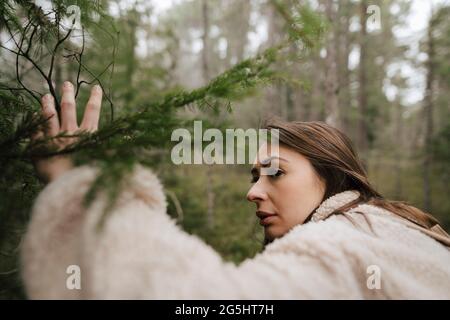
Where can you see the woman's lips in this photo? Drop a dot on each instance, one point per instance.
(265, 217)
(267, 220)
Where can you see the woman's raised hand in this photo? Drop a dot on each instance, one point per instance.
(50, 168)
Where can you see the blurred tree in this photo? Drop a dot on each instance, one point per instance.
(331, 69)
(437, 67)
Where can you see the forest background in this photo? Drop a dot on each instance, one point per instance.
(377, 70)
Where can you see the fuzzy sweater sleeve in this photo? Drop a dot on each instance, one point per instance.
(141, 253)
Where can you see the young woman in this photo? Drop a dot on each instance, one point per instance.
(328, 233)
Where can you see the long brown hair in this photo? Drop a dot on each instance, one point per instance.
(333, 156)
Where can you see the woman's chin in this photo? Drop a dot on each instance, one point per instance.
(272, 232)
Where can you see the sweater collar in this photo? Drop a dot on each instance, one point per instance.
(334, 202)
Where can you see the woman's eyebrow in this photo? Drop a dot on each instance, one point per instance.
(266, 163)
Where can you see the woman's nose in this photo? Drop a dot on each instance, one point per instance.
(256, 194)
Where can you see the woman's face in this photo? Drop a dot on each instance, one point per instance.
(289, 196)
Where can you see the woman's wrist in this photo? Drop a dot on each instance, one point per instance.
(53, 168)
(64, 164)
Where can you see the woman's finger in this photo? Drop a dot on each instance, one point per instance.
(92, 112)
(38, 134)
(49, 112)
(68, 108)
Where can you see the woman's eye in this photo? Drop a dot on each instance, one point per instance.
(277, 174)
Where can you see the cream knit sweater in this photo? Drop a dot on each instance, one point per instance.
(142, 254)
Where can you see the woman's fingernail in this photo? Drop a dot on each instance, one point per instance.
(97, 88)
(67, 84)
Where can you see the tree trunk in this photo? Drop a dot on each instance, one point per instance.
(131, 61)
(331, 74)
(274, 92)
(398, 167)
(428, 109)
(290, 106)
(343, 57)
(362, 94)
